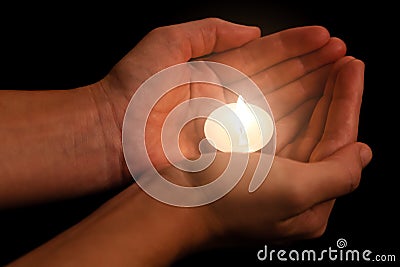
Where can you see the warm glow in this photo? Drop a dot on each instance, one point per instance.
(250, 133)
(244, 113)
(246, 118)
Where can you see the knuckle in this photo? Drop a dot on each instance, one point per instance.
(213, 20)
(163, 31)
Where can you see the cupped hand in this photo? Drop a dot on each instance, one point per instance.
(322, 163)
(290, 67)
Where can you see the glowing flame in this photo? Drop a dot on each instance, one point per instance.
(246, 118)
(244, 113)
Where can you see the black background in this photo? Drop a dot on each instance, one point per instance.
(65, 45)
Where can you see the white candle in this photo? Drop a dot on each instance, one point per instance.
(241, 128)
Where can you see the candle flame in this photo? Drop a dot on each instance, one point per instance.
(244, 112)
(246, 118)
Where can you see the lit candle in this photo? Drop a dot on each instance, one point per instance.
(239, 127)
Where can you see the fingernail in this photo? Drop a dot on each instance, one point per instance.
(365, 154)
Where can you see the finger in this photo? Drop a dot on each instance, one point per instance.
(295, 68)
(300, 186)
(342, 120)
(288, 127)
(305, 143)
(337, 175)
(269, 50)
(288, 98)
(314, 133)
(343, 80)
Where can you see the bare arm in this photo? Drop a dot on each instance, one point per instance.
(132, 229)
(56, 144)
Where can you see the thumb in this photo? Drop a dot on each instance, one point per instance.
(179, 43)
(166, 46)
(336, 175)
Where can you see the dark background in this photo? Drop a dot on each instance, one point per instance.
(65, 45)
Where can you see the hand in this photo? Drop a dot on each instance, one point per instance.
(321, 163)
(277, 61)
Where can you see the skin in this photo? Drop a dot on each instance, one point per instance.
(314, 91)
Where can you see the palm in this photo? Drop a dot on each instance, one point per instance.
(190, 135)
(292, 78)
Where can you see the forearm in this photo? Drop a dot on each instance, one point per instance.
(56, 144)
(132, 229)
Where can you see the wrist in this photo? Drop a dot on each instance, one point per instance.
(66, 136)
(109, 116)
